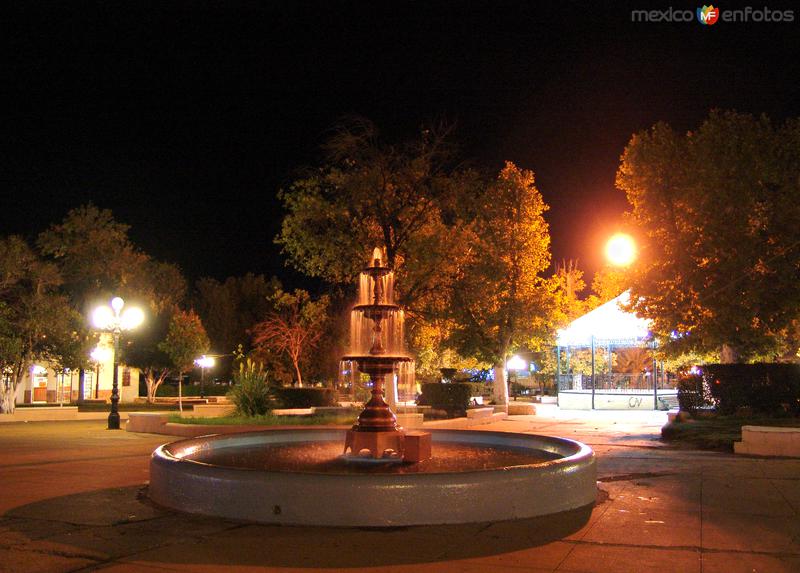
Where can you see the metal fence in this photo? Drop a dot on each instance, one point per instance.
(614, 382)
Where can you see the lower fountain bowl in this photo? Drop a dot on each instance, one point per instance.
(565, 482)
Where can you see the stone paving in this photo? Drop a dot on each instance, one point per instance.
(73, 499)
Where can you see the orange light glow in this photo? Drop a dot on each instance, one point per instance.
(621, 250)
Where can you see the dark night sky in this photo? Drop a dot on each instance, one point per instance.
(185, 118)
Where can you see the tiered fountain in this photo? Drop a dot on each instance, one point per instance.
(377, 351)
(300, 476)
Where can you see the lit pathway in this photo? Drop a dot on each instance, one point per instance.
(69, 500)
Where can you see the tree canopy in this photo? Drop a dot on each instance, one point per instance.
(500, 300)
(294, 328)
(716, 214)
(405, 198)
(36, 320)
(97, 260)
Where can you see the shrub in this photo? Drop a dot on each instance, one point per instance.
(693, 394)
(251, 391)
(305, 397)
(764, 388)
(453, 398)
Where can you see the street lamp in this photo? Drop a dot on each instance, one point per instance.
(621, 250)
(112, 319)
(204, 362)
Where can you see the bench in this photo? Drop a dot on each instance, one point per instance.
(476, 413)
(521, 409)
(769, 441)
(211, 410)
(149, 422)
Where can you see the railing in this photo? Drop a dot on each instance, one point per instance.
(613, 382)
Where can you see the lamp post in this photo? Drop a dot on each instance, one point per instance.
(112, 319)
(204, 362)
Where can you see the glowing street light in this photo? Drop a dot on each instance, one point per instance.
(621, 250)
(113, 319)
(204, 362)
(516, 362)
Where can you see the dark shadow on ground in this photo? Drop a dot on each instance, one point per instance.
(121, 525)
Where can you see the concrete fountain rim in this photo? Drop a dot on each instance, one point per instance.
(581, 450)
(376, 500)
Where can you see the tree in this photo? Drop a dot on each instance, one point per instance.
(145, 351)
(608, 283)
(500, 300)
(294, 328)
(97, 260)
(409, 199)
(36, 321)
(231, 308)
(186, 340)
(716, 213)
(569, 284)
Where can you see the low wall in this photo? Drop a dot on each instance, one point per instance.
(41, 414)
(605, 401)
(409, 420)
(210, 410)
(521, 409)
(769, 441)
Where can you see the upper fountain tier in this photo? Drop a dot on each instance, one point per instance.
(377, 323)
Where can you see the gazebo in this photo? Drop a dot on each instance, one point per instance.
(610, 334)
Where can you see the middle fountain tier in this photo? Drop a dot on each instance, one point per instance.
(377, 349)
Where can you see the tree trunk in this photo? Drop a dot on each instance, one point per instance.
(180, 392)
(299, 376)
(500, 386)
(729, 355)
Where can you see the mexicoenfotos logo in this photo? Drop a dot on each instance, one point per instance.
(707, 15)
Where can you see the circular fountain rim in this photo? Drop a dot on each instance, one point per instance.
(581, 450)
(376, 500)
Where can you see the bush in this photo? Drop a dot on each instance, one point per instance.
(305, 397)
(453, 398)
(763, 388)
(693, 394)
(251, 391)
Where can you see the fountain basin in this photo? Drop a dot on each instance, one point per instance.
(373, 499)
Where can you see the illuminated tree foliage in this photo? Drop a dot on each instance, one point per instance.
(406, 198)
(716, 211)
(97, 260)
(186, 340)
(294, 328)
(36, 320)
(500, 300)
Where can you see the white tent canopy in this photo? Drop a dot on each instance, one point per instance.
(608, 324)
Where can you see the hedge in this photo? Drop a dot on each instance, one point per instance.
(454, 398)
(694, 394)
(289, 397)
(189, 389)
(763, 388)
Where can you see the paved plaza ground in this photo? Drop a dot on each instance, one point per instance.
(73, 498)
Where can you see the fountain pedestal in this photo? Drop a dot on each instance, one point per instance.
(376, 429)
